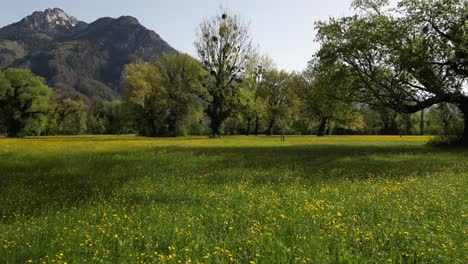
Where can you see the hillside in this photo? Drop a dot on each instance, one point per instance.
(76, 58)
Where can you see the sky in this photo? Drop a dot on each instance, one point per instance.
(283, 29)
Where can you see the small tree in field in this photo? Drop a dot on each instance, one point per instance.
(224, 48)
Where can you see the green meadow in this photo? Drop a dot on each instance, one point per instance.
(126, 199)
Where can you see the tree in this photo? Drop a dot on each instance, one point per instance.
(406, 123)
(327, 93)
(144, 100)
(421, 122)
(257, 68)
(66, 115)
(24, 101)
(247, 107)
(276, 94)
(407, 59)
(161, 97)
(251, 104)
(182, 77)
(106, 117)
(224, 48)
(388, 118)
(444, 119)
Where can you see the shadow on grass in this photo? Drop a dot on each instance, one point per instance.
(33, 186)
(332, 162)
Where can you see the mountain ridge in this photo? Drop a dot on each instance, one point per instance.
(76, 58)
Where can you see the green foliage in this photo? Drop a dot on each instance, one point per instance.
(406, 123)
(95, 124)
(445, 120)
(106, 117)
(408, 58)
(375, 5)
(160, 99)
(145, 100)
(24, 101)
(182, 77)
(276, 93)
(252, 105)
(445, 141)
(66, 116)
(327, 93)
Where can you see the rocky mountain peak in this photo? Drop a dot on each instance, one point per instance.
(50, 19)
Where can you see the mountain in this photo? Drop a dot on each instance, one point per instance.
(76, 58)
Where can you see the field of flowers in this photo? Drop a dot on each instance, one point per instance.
(125, 199)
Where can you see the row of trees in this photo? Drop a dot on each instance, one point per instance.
(29, 107)
(158, 103)
(394, 63)
(234, 85)
(406, 59)
(172, 97)
(374, 73)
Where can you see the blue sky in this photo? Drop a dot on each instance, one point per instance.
(283, 29)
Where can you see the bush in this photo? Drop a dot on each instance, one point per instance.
(445, 141)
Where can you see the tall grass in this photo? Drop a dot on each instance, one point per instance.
(232, 200)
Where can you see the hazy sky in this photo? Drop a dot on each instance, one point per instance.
(284, 29)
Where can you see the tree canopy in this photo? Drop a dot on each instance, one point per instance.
(408, 58)
(24, 100)
(224, 47)
(161, 96)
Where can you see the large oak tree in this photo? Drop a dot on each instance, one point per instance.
(408, 58)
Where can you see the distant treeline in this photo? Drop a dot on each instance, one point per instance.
(29, 107)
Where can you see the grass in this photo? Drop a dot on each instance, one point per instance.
(119, 199)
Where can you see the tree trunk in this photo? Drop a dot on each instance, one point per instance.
(408, 124)
(271, 124)
(323, 125)
(390, 126)
(421, 124)
(394, 125)
(257, 125)
(446, 123)
(14, 127)
(464, 138)
(247, 132)
(215, 127)
(172, 127)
